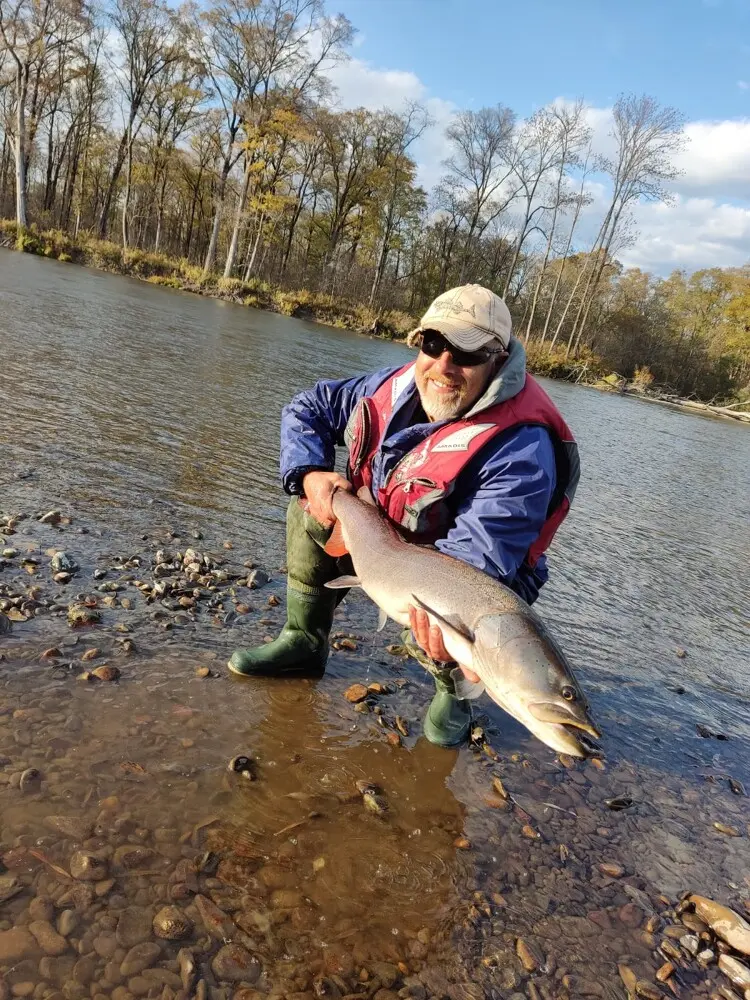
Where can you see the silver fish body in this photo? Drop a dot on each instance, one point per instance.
(486, 627)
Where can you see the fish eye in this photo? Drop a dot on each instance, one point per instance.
(568, 693)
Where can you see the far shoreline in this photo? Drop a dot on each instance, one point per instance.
(316, 307)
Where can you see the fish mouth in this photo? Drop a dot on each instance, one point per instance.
(589, 746)
(563, 716)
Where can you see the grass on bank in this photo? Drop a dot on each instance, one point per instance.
(170, 272)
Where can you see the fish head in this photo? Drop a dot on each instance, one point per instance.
(527, 674)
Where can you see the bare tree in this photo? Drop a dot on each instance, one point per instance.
(32, 33)
(648, 138)
(481, 163)
(145, 31)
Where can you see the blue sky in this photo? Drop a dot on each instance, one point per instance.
(690, 54)
(693, 55)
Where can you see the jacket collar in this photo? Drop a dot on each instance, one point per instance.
(507, 382)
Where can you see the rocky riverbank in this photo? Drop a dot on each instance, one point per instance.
(167, 831)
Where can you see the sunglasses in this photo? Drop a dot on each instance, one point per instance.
(433, 344)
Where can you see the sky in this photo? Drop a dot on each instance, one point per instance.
(691, 54)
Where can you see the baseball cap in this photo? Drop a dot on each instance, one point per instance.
(470, 317)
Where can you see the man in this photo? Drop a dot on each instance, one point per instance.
(461, 449)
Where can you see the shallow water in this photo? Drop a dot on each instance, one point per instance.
(146, 415)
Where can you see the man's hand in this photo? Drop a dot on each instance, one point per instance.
(319, 488)
(430, 638)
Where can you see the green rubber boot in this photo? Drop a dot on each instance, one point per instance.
(301, 649)
(448, 718)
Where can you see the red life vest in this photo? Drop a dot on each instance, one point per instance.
(415, 492)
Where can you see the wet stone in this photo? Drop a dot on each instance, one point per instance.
(140, 957)
(16, 944)
(72, 827)
(41, 908)
(57, 970)
(67, 922)
(133, 926)
(235, 964)
(87, 867)
(355, 693)
(84, 970)
(47, 937)
(172, 924)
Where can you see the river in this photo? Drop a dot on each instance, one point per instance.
(150, 419)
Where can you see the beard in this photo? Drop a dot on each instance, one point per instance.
(441, 406)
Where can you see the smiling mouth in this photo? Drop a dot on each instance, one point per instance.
(444, 386)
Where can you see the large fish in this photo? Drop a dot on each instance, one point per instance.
(486, 626)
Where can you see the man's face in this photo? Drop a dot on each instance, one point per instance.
(448, 390)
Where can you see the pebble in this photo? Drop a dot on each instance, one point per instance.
(30, 780)
(724, 922)
(647, 990)
(203, 672)
(172, 924)
(355, 693)
(216, 922)
(106, 672)
(73, 827)
(612, 869)
(630, 915)
(47, 937)
(88, 867)
(235, 964)
(736, 971)
(67, 922)
(728, 831)
(664, 973)
(133, 926)
(529, 960)
(41, 908)
(16, 944)
(90, 654)
(140, 957)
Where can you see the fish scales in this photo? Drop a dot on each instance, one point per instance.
(486, 627)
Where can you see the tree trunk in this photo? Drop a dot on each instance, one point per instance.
(251, 262)
(106, 207)
(126, 199)
(191, 217)
(234, 242)
(214, 241)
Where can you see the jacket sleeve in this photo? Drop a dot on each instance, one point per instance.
(313, 424)
(501, 503)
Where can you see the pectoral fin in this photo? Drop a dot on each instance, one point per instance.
(457, 632)
(464, 687)
(336, 546)
(382, 620)
(344, 581)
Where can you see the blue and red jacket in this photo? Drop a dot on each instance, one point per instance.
(513, 489)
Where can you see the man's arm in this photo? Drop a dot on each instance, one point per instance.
(502, 500)
(313, 423)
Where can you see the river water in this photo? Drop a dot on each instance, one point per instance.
(149, 418)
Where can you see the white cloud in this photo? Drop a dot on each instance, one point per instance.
(690, 234)
(707, 223)
(743, 84)
(359, 84)
(716, 159)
